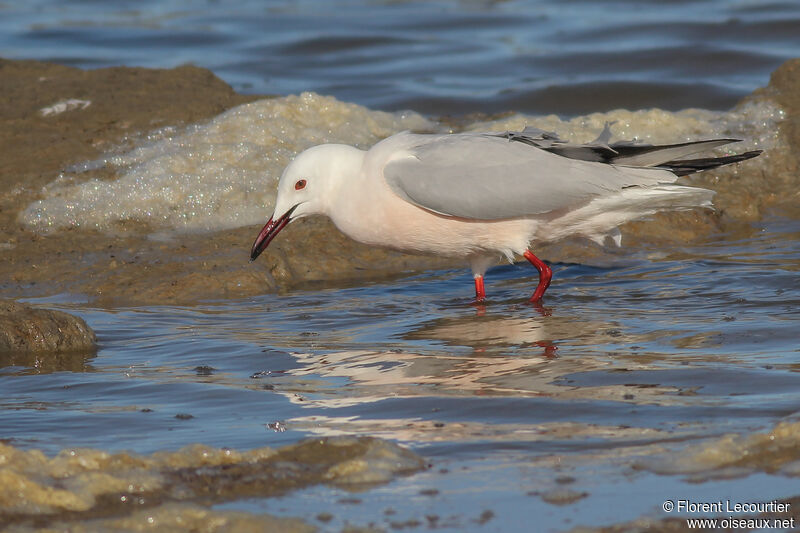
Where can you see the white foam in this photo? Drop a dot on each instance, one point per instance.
(754, 122)
(64, 105)
(223, 174)
(212, 176)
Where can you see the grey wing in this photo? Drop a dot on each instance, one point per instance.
(487, 177)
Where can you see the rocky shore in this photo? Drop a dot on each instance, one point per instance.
(130, 267)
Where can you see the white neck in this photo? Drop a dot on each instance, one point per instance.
(344, 177)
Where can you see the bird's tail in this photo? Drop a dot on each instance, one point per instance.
(602, 215)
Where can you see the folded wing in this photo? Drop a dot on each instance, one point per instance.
(492, 176)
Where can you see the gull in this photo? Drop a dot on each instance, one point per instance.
(482, 196)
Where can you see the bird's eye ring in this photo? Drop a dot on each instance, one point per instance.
(301, 184)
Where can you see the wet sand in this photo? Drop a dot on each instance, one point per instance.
(128, 267)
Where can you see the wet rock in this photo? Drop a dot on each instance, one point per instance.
(563, 496)
(774, 187)
(126, 104)
(784, 89)
(124, 101)
(28, 329)
(735, 455)
(178, 517)
(84, 486)
(131, 267)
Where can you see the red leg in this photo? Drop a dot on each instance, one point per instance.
(480, 293)
(545, 275)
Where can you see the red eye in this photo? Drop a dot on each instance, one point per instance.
(301, 184)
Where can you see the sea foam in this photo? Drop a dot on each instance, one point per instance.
(212, 176)
(222, 174)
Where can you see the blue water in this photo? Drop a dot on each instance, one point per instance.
(666, 348)
(439, 57)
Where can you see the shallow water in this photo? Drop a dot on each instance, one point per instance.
(560, 412)
(440, 57)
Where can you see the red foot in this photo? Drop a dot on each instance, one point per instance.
(480, 293)
(549, 349)
(545, 275)
(480, 309)
(542, 310)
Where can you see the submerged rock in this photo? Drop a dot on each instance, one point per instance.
(177, 517)
(28, 329)
(735, 455)
(84, 487)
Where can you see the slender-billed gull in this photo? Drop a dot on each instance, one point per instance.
(484, 195)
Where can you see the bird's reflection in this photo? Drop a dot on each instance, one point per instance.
(480, 308)
(490, 355)
(488, 331)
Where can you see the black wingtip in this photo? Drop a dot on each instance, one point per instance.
(690, 166)
(751, 154)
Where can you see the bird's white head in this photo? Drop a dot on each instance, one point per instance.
(307, 186)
